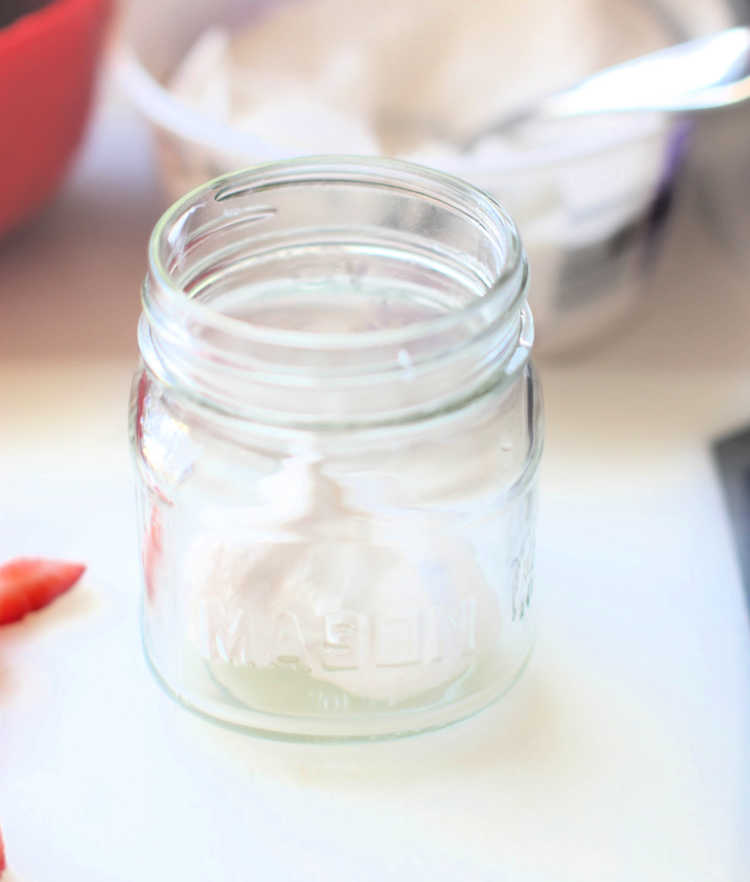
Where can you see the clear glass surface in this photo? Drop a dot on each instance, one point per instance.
(336, 432)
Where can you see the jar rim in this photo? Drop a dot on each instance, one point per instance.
(420, 181)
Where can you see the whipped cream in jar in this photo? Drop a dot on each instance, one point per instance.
(336, 430)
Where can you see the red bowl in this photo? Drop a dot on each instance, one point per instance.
(48, 61)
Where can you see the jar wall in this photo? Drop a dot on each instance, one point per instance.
(346, 585)
(336, 430)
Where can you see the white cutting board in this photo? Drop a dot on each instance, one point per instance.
(623, 754)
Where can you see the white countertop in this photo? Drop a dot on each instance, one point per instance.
(623, 754)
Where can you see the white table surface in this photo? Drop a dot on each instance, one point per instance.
(623, 754)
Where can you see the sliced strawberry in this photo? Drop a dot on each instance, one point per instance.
(2, 854)
(152, 553)
(29, 583)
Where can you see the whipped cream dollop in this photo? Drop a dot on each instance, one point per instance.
(384, 610)
(342, 76)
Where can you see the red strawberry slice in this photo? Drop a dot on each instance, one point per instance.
(152, 550)
(29, 583)
(2, 854)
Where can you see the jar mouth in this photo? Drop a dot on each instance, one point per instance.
(338, 223)
(414, 179)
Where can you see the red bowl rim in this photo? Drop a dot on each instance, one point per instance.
(48, 18)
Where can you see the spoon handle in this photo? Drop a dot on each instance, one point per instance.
(702, 74)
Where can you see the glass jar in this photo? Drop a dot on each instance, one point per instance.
(336, 430)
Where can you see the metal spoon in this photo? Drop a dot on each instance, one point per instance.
(703, 74)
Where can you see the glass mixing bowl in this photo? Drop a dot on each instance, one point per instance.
(592, 205)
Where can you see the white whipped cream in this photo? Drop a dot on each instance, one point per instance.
(340, 76)
(305, 581)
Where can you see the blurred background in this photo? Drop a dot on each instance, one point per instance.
(637, 707)
(223, 84)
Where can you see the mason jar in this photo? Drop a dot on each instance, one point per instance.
(336, 431)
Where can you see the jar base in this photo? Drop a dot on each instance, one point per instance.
(368, 721)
